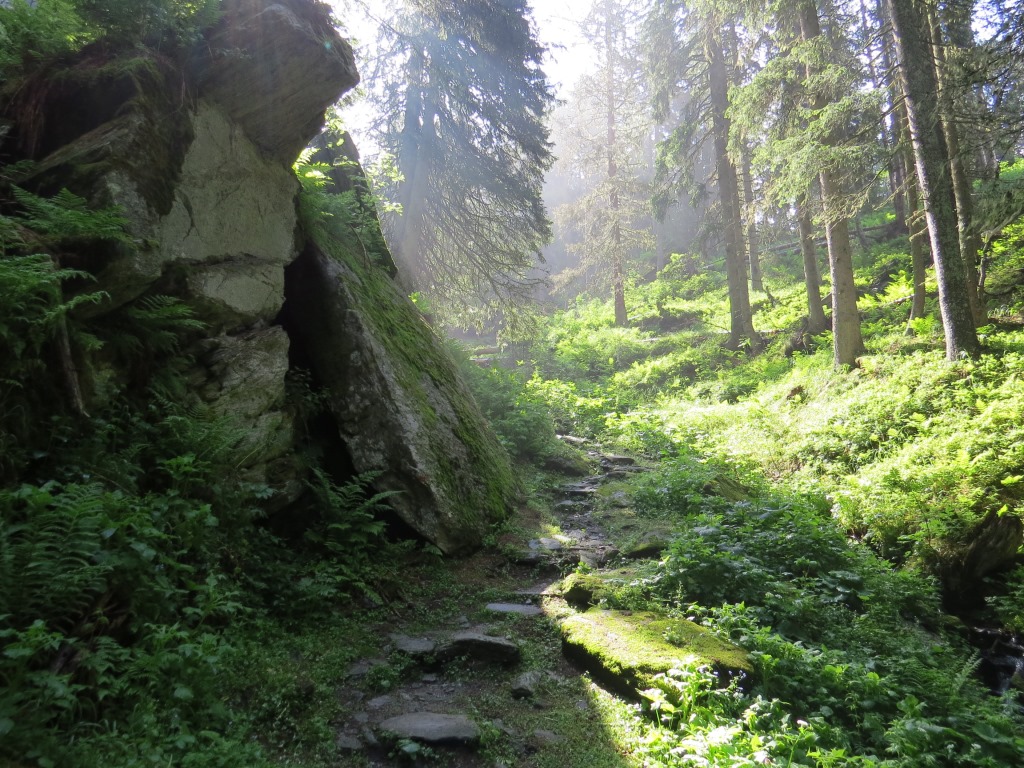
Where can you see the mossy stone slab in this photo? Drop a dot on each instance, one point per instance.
(625, 650)
(585, 589)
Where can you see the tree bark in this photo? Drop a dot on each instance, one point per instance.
(968, 237)
(816, 320)
(753, 257)
(618, 271)
(847, 342)
(418, 137)
(931, 156)
(741, 327)
(916, 220)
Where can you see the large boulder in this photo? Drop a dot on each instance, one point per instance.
(400, 407)
(274, 67)
(196, 152)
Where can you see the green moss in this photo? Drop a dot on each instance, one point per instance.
(627, 649)
(480, 493)
(620, 588)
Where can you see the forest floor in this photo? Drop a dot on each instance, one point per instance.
(471, 673)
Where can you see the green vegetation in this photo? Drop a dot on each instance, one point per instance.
(818, 518)
(828, 534)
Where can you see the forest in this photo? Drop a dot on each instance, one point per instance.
(621, 384)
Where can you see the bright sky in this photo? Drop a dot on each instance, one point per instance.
(558, 23)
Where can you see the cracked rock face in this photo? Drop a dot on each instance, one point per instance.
(197, 155)
(274, 67)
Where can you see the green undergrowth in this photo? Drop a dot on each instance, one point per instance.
(142, 579)
(819, 518)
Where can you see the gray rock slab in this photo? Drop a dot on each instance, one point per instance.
(516, 608)
(380, 702)
(432, 728)
(573, 440)
(525, 686)
(346, 743)
(483, 647)
(618, 461)
(413, 646)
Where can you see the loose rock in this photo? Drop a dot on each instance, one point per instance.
(517, 608)
(525, 686)
(432, 728)
(414, 646)
(484, 647)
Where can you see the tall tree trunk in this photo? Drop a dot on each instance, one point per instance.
(741, 325)
(899, 171)
(816, 321)
(916, 219)
(753, 257)
(889, 130)
(847, 342)
(918, 254)
(618, 270)
(931, 155)
(968, 236)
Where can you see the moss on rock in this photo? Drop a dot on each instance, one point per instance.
(626, 650)
(395, 392)
(618, 588)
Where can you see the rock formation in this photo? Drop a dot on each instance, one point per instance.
(197, 153)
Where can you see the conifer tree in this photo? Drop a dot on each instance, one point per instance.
(465, 118)
(603, 144)
(686, 49)
(914, 41)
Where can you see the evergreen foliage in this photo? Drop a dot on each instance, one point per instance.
(464, 100)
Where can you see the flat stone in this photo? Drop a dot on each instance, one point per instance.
(626, 650)
(380, 702)
(517, 608)
(484, 647)
(551, 545)
(347, 743)
(583, 490)
(532, 557)
(413, 646)
(432, 728)
(618, 461)
(569, 504)
(525, 686)
(573, 440)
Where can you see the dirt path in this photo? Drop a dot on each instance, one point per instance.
(474, 675)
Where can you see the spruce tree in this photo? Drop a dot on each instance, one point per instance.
(465, 119)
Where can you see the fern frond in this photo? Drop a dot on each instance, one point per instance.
(51, 544)
(67, 216)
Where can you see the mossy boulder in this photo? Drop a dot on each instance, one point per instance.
(395, 395)
(619, 588)
(625, 650)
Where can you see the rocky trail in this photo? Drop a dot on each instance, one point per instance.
(498, 667)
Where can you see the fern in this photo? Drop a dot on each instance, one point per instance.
(51, 544)
(67, 216)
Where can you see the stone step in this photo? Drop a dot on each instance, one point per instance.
(515, 608)
(432, 728)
